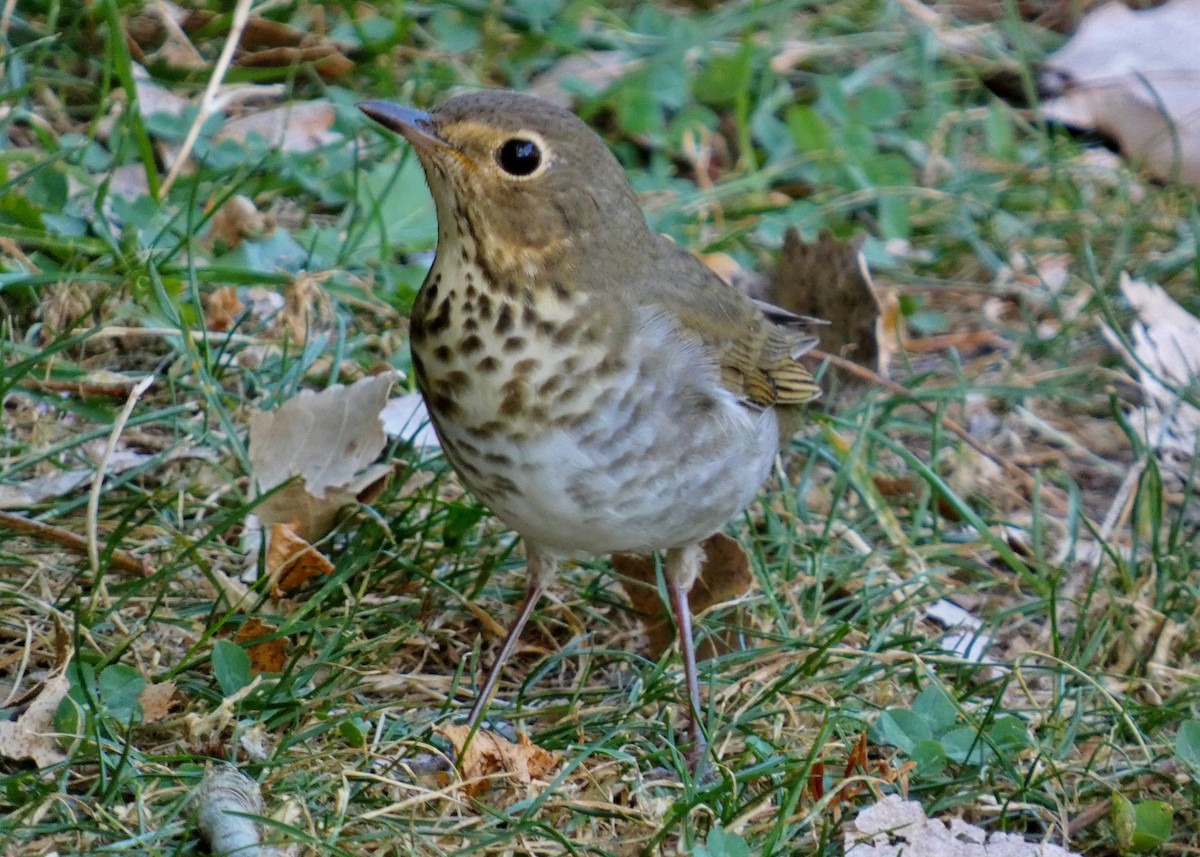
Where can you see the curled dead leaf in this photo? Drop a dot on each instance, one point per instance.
(490, 754)
(266, 656)
(222, 309)
(292, 562)
(237, 219)
(724, 576)
(828, 279)
(31, 735)
(157, 700)
(329, 440)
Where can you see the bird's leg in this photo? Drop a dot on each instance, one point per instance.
(541, 567)
(681, 568)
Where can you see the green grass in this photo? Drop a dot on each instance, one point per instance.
(878, 131)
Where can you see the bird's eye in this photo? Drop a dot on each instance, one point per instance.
(519, 157)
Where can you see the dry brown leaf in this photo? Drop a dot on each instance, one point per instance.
(329, 440)
(222, 309)
(298, 127)
(724, 576)
(268, 656)
(828, 279)
(238, 219)
(32, 736)
(292, 562)
(157, 700)
(307, 309)
(1134, 76)
(489, 754)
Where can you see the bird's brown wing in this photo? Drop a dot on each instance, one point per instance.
(760, 365)
(757, 345)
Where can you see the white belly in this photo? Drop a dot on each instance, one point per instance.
(652, 467)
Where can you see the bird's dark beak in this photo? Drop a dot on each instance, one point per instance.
(413, 125)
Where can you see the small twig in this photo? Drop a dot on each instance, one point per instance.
(208, 102)
(93, 504)
(47, 533)
(117, 331)
(1055, 496)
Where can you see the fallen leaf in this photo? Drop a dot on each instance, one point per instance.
(1167, 364)
(157, 700)
(32, 736)
(329, 440)
(1133, 75)
(237, 219)
(489, 754)
(828, 279)
(725, 575)
(222, 309)
(292, 562)
(267, 656)
(298, 127)
(407, 418)
(895, 827)
(307, 309)
(588, 72)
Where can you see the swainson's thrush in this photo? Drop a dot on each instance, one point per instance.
(595, 385)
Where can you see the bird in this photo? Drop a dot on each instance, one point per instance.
(592, 382)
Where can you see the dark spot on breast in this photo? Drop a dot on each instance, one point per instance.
(570, 365)
(442, 353)
(470, 345)
(526, 367)
(441, 404)
(467, 468)
(560, 291)
(567, 333)
(416, 328)
(514, 344)
(529, 317)
(469, 448)
(570, 421)
(485, 306)
(488, 364)
(472, 292)
(610, 364)
(456, 382)
(504, 485)
(513, 403)
(548, 329)
(504, 319)
(550, 386)
(440, 322)
(498, 459)
(593, 334)
(470, 323)
(491, 428)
